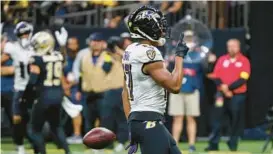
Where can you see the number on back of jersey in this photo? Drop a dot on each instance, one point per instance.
(54, 69)
(128, 79)
(53, 73)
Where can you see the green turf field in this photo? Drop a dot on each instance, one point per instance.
(245, 147)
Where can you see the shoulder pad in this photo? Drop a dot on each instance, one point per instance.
(9, 48)
(145, 53)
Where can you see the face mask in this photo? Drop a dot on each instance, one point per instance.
(25, 42)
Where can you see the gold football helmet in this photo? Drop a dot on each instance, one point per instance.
(43, 43)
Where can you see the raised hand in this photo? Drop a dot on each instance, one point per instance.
(61, 36)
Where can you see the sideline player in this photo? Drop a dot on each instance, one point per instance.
(45, 76)
(144, 94)
(20, 52)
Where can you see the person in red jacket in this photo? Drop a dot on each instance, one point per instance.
(230, 74)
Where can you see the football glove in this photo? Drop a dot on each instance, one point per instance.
(181, 48)
(61, 36)
(133, 146)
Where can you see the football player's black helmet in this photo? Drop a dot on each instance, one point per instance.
(148, 23)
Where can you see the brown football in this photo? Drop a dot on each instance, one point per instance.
(99, 138)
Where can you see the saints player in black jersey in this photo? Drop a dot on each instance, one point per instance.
(45, 78)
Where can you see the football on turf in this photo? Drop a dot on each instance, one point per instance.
(99, 138)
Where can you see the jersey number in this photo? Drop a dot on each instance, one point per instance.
(54, 73)
(23, 70)
(128, 79)
(165, 95)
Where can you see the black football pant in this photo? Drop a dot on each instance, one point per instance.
(153, 137)
(91, 109)
(234, 109)
(6, 103)
(112, 114)
(42, 112)
(20, 129)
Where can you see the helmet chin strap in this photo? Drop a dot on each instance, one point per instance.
(161, 41)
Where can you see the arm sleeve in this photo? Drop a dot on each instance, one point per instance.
(244, 76)
(236, 84)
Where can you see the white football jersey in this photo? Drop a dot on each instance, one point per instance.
(20, 57)
(144, 93)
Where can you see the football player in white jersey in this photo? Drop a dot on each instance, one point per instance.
(20, 52)
(146, 81)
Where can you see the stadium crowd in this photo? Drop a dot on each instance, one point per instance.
(221, 14)
(93, 76)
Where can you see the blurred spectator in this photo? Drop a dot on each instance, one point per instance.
(113, 115)
(199, 9)
(45, 10)
(219, 8)
(230, 75)
(7, 71)
(70, 7)
(108, 3)
(219, 14)
(173, 10)
(187, 102)
(171, 7)
(90, 68)
(236, 13)
(224, 14)
(60, 11)
(126, 40)
(14, 11)
(70, 89)
(114, 22)
(144, 2)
